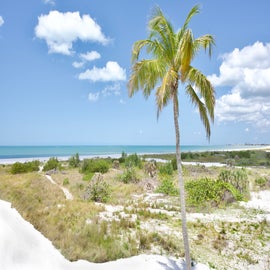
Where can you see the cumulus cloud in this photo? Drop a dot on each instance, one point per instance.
(247, 72)
(78, 64)
(90, 56)
(86, 57)
(60, 30)
(93, 97)
(1, 21)
(111, 72)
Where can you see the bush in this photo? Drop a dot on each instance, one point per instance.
(74, 161)
(261, 181)
(133, 161)
(98, 191)
(123, 157)
(237, 178)
(95, 165)
(174, 163)
(129, 176)
(167, 187)
(166, 169)
(19, 167)
(204, 191)
(52, 164)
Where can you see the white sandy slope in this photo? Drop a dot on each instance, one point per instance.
(24, 248)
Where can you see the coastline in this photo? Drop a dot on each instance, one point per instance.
(117, 154)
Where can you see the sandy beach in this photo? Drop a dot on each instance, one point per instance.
(115, 155)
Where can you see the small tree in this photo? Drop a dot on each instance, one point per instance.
(74, 161)
(51, 164)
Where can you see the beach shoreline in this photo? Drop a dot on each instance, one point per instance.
(10, 161)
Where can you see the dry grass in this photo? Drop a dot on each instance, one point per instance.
(77, 229)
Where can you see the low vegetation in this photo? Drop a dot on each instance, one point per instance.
(127, 206)
(25, 167)
(52, 164)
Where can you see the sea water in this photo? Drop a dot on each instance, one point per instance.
(65, 151)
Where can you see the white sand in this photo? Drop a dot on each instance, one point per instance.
(259, 200)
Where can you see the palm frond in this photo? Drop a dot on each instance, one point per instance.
(137, 47)
(162, 31)
(145, 75)
(195, 10)
(205, 89)
(186, 51)
(201, 107)
(166, 90)
(206, 42)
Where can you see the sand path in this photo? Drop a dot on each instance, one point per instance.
(68, 195)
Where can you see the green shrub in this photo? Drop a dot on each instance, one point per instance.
(237, 178)
(166, 169)
(98, 191)
(174, 163)
(261, 181)
(133, 161)
(204, 191)
(74, 161)
(95, 165)
(52, 164)
(167, 187)
(19, 167)
(123, 157)
(129, 176)
(66, 182)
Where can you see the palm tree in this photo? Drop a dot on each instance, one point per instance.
(170, 65)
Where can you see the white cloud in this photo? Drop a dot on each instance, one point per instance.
(247, 72)
(93, 97)
(60, 30)
(111, 72)
(90, 56)
(111, 90)
(78, 64)
(1, 21)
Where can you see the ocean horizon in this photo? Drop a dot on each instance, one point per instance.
(9, 154)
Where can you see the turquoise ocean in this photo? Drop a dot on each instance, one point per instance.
(43, 152)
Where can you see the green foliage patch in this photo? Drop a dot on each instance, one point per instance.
(52, 164)
(166, 168)
(237, 178)
(98, 191)
(261, 181)
(133, 160)
(129, 176)
(95, 165)
(74, 161)
(167, 187)
(19, 167)
(205, 191)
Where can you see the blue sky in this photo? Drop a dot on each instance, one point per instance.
(64, 67)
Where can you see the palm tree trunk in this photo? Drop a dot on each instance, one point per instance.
(181, 185)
